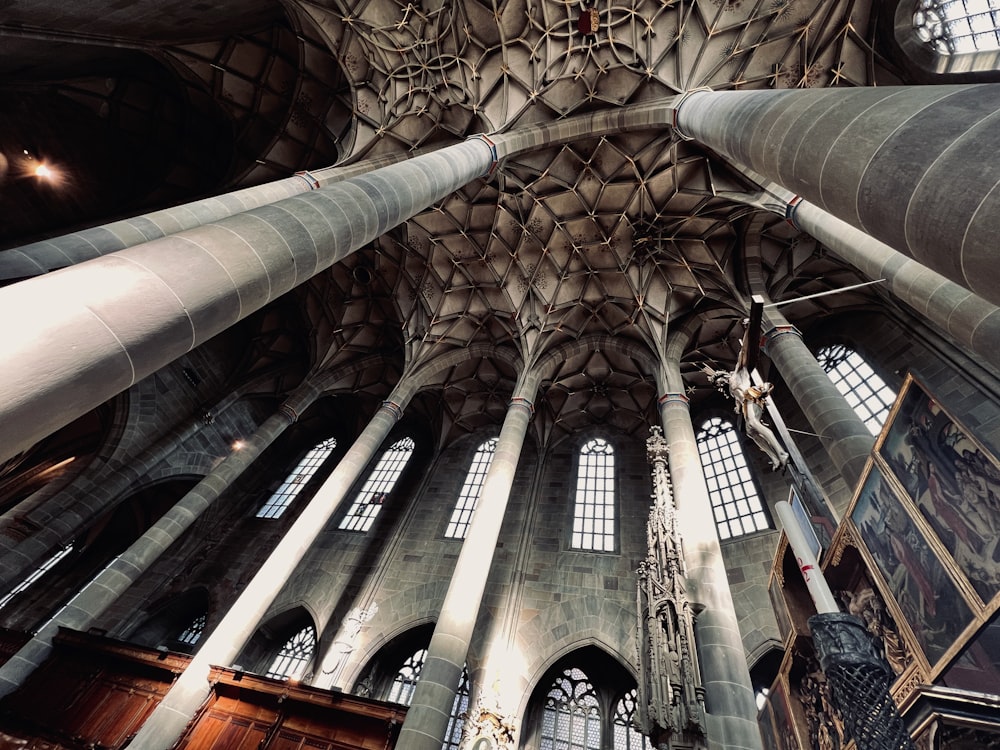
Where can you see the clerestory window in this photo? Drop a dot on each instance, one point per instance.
(461, 517)
(735, 502)
(955, 27)
(378, 486)
(278, 502)
(594, 509)
(864, 390)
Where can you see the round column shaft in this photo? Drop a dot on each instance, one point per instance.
(427, 718)
(731, 710)
(912, 166)
(58, 252)
(88, 332)
(844, 436)
(94, 598)
(168, 720)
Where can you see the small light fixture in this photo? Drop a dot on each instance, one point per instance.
(238, 445)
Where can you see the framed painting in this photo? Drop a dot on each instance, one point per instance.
(951, 480)
(927, 596)
(978, 666)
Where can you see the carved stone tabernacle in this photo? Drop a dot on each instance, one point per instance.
(671, 708)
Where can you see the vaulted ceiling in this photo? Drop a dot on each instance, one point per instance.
(626, 236)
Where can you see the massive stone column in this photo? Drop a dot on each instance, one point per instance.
(88, 332)
(58, 252)
(167, 722)
(731, 710)
(971, 321)
(914, 167)
(427, 718)
(844, 436)
(94, 598)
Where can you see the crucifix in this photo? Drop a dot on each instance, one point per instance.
(751, 396)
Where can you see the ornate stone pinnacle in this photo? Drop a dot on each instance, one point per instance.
(656, 447)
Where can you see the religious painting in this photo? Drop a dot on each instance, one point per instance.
(977, 668)
(928, 598)
(786, 737)
(952, 481)
(766, 728)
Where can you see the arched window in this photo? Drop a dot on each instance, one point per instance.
(594, 509)
(865, 391)
(585, 701)
(627, 737)
(294, 482)
(192, 633)
(955, 27)
(571, 718)
(405, 681)
(293, 657)
(461, 517)
(735, 502)
(453, 735)
(378, 486)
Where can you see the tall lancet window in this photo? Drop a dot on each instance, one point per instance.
(571, 719)
(735, 502)
(865, 391)
(955, 27)
(377, 487)
(294, 482)
(461, 517)
(594, 510)
(293, 657)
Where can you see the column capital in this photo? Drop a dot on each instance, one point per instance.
(523, 403)
(790, 208)
(309, 179)
(674, 397)
(288, 411)
(778, 331)
(393, 408)
(492, 146)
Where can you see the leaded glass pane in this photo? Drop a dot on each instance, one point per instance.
(594, 510)
(461, 517)
(294, 482)
(193, 631)
(377, 487)
(293, 657)
(735, 502)
(955, 27)
(864, 390)
(571, 718)
(405, 681)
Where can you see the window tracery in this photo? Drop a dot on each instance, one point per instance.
(378, 486)
(278, 503)
(293, 657)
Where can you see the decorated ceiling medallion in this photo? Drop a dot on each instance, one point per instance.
(588, 21)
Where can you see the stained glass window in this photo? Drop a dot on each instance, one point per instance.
(405, 681)
(193, 631)
(627, 737)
